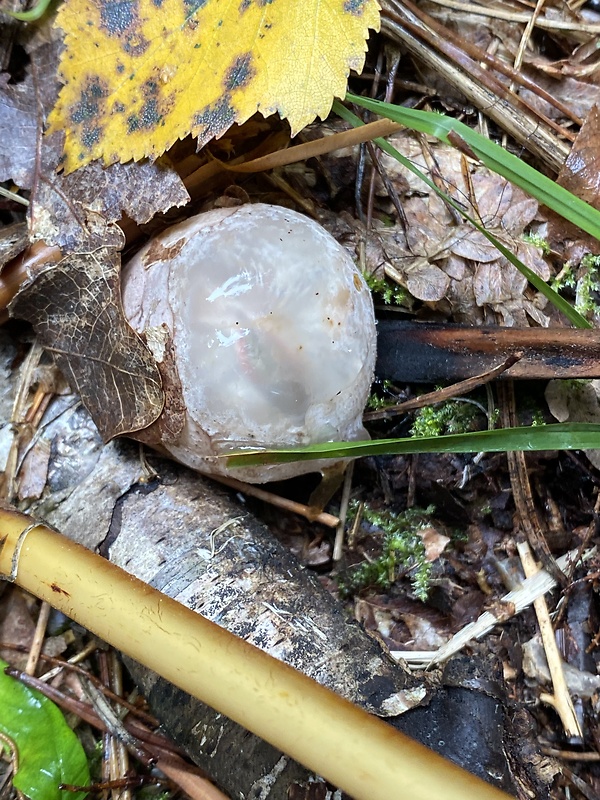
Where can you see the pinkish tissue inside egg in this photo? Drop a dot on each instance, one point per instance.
(273, 331)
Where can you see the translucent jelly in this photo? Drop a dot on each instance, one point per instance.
(272, 329)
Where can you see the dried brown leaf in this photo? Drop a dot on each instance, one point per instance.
(18, 129)
(13, 241)
(426, 281)
(449, 263)
(581, 171)
(75, 308)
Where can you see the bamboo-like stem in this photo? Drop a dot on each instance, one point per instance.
(357, 752)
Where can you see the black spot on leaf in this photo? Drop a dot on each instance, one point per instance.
(118, 16)
(91, 101)
(150, 88)
(191, 6)
(148, 118)
(355, 7)
(214, 120)
(135, 44)
(120, 19)
(239, 73)
(90, 137)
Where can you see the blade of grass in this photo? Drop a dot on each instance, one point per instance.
(35, 13)
(493, 156)
(574, 317)
(561, 436)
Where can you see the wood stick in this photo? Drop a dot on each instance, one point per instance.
(421, 352)
(561, 699)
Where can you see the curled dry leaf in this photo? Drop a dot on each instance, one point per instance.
(579, 174)
(75, 308)
(447, 263)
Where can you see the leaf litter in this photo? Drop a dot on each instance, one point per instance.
(450, 271)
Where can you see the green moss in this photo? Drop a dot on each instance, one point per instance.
(588, 296)
(402, 551)
(585, 281)
(392, 293)
(537, 241)
(378, 399)
(453, 416)
(537, 418)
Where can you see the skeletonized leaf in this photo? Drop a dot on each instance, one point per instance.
(141, 74)
(75, 309)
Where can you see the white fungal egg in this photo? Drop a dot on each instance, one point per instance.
(271, 329)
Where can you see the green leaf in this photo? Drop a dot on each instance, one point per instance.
(567, 436)
(48, 751)
(434, 129)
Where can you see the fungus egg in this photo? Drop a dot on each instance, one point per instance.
(270, 330)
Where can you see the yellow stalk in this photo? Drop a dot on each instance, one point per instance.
(353, 750)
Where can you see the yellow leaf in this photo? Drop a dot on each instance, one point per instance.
(140, 74)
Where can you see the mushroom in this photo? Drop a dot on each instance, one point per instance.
(265, 333)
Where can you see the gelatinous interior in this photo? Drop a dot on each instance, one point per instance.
(273, 328)
(270, 301)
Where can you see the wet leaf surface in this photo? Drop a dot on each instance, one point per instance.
(48, 751)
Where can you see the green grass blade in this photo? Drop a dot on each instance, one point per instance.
(33, 14)
(561, 436)
(493, 156)
(559, 302)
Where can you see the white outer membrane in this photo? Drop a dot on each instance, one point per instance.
(273, 330)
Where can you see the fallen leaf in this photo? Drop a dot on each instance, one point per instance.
(17, 131)
(435, 542)
(75, 309)
(575, 401)
(426, 281)
(447, 263)
(13, 241)
(48, 752)
(141, 74)
(66, 210)
(579, 173)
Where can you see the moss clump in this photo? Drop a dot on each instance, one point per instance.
(391, 293)
(585, 282)
(453, 416)
(537, 241)
(384, 395)
(402, 551)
